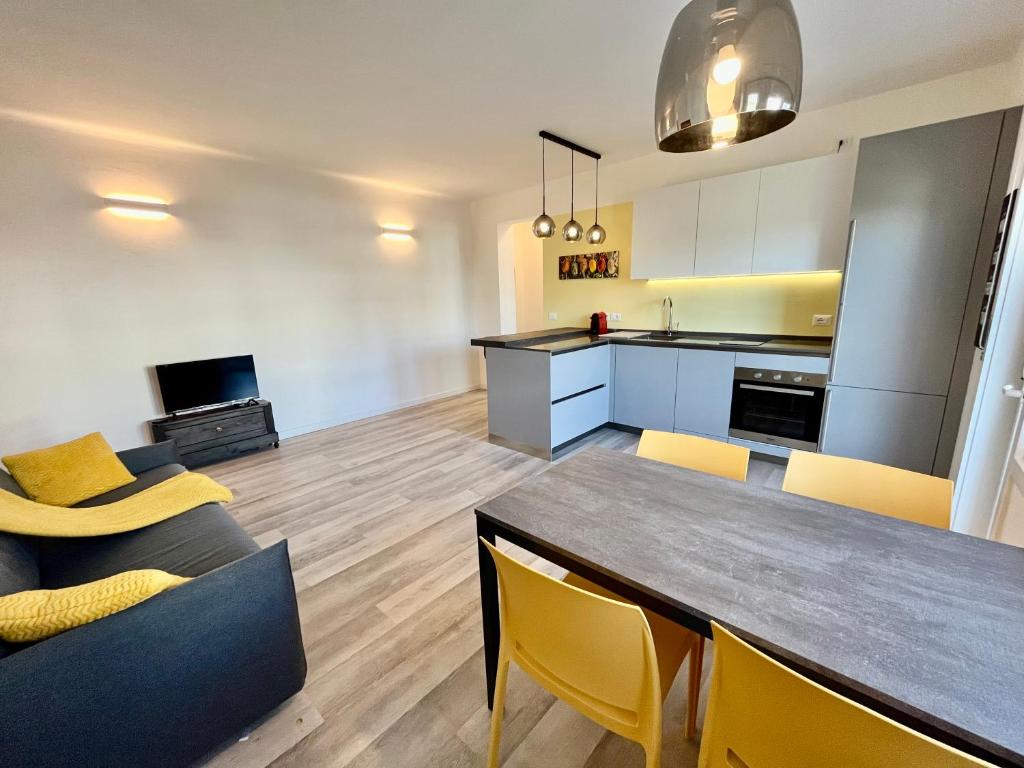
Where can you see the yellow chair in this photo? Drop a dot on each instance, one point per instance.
(873, 487)
(673, 643)
(598, 654)
(763, 715)
(700, 453)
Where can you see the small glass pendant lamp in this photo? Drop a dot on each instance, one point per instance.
(572, 231)
(543, 225)
(596, 234)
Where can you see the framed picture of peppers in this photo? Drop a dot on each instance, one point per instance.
(589, 266)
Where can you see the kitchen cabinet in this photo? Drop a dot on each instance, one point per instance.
(726, 220)
(537, 401)
(803, 214)
(899, 429)
(704, 391)
(665, 232)
(904, 338)
(645, 387)
(918, 205)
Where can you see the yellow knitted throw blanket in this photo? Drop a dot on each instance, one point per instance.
(164, 500)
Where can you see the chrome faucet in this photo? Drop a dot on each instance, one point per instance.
(668, 302)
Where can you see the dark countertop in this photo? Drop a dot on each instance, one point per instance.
(530, 337)
(557, 341)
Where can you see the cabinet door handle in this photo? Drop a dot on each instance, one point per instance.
(823, 432)
(851, 234)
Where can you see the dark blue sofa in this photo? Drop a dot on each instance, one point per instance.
(170, 680)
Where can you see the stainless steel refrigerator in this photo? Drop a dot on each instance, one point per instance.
(919, 215)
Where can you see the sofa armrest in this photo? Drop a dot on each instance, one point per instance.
(149, 456)
(164, 682)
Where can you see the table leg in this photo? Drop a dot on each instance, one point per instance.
(489, 606)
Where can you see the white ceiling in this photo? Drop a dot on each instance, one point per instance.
(444, 95)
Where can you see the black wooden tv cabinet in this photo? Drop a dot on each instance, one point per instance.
(217, 434)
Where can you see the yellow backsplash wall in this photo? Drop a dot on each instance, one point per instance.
(768, 304)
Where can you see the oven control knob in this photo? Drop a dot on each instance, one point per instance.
(777, 377)
(758, 375)
(798, 379)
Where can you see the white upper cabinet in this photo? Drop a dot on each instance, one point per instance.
(785, 218)
(665, 232)
(725, 224)
(803, 215)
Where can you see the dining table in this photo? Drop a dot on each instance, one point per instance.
(922, 625)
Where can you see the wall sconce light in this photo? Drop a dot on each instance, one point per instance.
(137, 207)
(396, 232)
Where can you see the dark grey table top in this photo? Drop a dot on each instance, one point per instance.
(928, 623)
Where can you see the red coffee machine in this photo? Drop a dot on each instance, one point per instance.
(598, 323)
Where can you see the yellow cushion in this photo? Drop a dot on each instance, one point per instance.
(42, 613)
(70, 472)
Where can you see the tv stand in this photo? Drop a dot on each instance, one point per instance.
(218, 434)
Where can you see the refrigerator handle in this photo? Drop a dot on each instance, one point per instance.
(842, 297)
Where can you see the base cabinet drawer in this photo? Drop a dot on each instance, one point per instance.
(573, 372)
(578, 415)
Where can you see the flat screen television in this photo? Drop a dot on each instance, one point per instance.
(199, 383)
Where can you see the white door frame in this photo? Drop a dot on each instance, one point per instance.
(992, 428)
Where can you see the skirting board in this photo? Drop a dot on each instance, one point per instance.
(348, 418)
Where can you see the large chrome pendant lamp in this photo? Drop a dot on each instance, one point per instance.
(732, 71)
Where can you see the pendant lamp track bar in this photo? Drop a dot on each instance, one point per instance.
(569, 144)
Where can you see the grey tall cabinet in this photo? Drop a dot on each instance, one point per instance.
(915, 245)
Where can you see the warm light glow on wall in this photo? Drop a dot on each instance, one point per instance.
(396, 232)
(137, 206)
(821, 275)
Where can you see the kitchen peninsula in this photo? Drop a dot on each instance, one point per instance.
(547, 389)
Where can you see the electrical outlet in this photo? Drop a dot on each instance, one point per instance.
(821, 320)
(552, 315)
(615, 316)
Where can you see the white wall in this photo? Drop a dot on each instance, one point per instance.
(1017, 66)
(529, 278)
(286, 265)
(813, 133)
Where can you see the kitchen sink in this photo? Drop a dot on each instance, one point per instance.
(680, 338)
(662, 336)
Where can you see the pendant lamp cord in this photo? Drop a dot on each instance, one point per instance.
(572, 185)
(543, 178)
(597, 176)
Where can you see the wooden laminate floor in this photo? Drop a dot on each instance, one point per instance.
(379, 519)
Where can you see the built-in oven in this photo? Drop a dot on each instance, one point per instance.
(777, 407)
